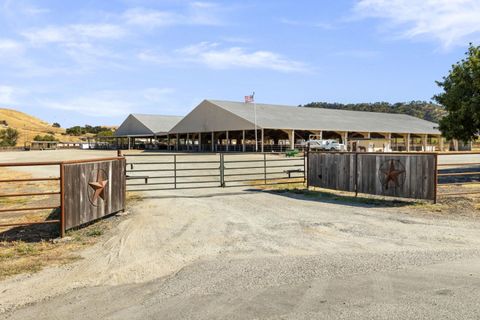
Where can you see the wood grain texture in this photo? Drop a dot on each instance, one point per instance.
(414, 174)
(79, 205)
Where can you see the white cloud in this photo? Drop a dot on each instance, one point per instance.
(10, 48)
(113, 103)
(9, 95)
(98, 104)
(212, 55)
(197, 13)
(451, 22)
(301, 23)
(74, 33)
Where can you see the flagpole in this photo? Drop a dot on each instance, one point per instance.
(255, 112)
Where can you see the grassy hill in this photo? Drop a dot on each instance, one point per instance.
(420, 109)
(29, 126)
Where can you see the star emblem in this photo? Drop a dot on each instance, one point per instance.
(98, 187)
(391, 174)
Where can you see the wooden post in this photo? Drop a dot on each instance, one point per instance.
(441, 143)
(187, 141)
(62, 200)
(408, 142)
(129, 143)
(177, 141)
(345, 140)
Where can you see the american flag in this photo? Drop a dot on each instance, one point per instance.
(249, 99)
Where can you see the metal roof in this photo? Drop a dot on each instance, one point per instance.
(146, 125)
(271, 116)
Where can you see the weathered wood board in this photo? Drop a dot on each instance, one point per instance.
(396, 175)
(332, 171)
(405, 176)
(93, 190)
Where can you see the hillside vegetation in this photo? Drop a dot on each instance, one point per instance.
(420, 109)
(29, 127)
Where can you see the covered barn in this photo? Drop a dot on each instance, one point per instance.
(145, 129)
(216, 125)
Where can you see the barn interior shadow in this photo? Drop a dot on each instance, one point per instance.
(33, 233)
(335, 198)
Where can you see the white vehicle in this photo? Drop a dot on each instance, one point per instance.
(329, 145)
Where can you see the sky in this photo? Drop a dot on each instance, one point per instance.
(94, 62)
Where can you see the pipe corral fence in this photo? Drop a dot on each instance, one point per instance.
(163, 171)
(88, 190)
(70, 183)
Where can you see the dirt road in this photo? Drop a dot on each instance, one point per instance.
(246, 254)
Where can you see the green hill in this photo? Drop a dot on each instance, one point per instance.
(420, 109)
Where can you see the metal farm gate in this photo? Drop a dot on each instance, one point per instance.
(164, 171)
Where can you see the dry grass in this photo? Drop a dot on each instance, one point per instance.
(21, 202)
(31, 254)
(29, 126)
(19, 257)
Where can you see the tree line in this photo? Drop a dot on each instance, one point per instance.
(420, 109)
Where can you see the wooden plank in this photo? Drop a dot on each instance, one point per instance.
(337, 171)
(81, 204)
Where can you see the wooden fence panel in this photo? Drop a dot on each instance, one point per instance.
(93, 190)
(388, 174)
(332, 171)
(405, 176)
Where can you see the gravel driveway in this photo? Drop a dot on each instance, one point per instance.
(247, 254)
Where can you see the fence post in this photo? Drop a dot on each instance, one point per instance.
(119, 153)
(305, 164)
(356, 174)
(62, 200)
(175, 171)
(222, 170)
(436, 179)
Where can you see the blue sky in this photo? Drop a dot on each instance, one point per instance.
(78, 62)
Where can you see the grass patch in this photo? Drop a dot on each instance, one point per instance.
(17, 257)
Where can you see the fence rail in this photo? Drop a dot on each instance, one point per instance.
(60, 191)
(457, 174)
(190, 171)
(58, 206)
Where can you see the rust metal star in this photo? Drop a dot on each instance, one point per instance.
(99, 187)
(392, 174)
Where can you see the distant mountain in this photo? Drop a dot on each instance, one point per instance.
(420, 109)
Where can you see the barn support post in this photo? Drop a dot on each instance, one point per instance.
(200, 142)
(388, 147)
(177, 142)
(213, 142)
(228, 141)
(129, 143)
(243, 140)
(441, 143)
(263, 138)
(187, 141)
(424, 142)
(345, 140)
(408, 142)
(291, 139)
